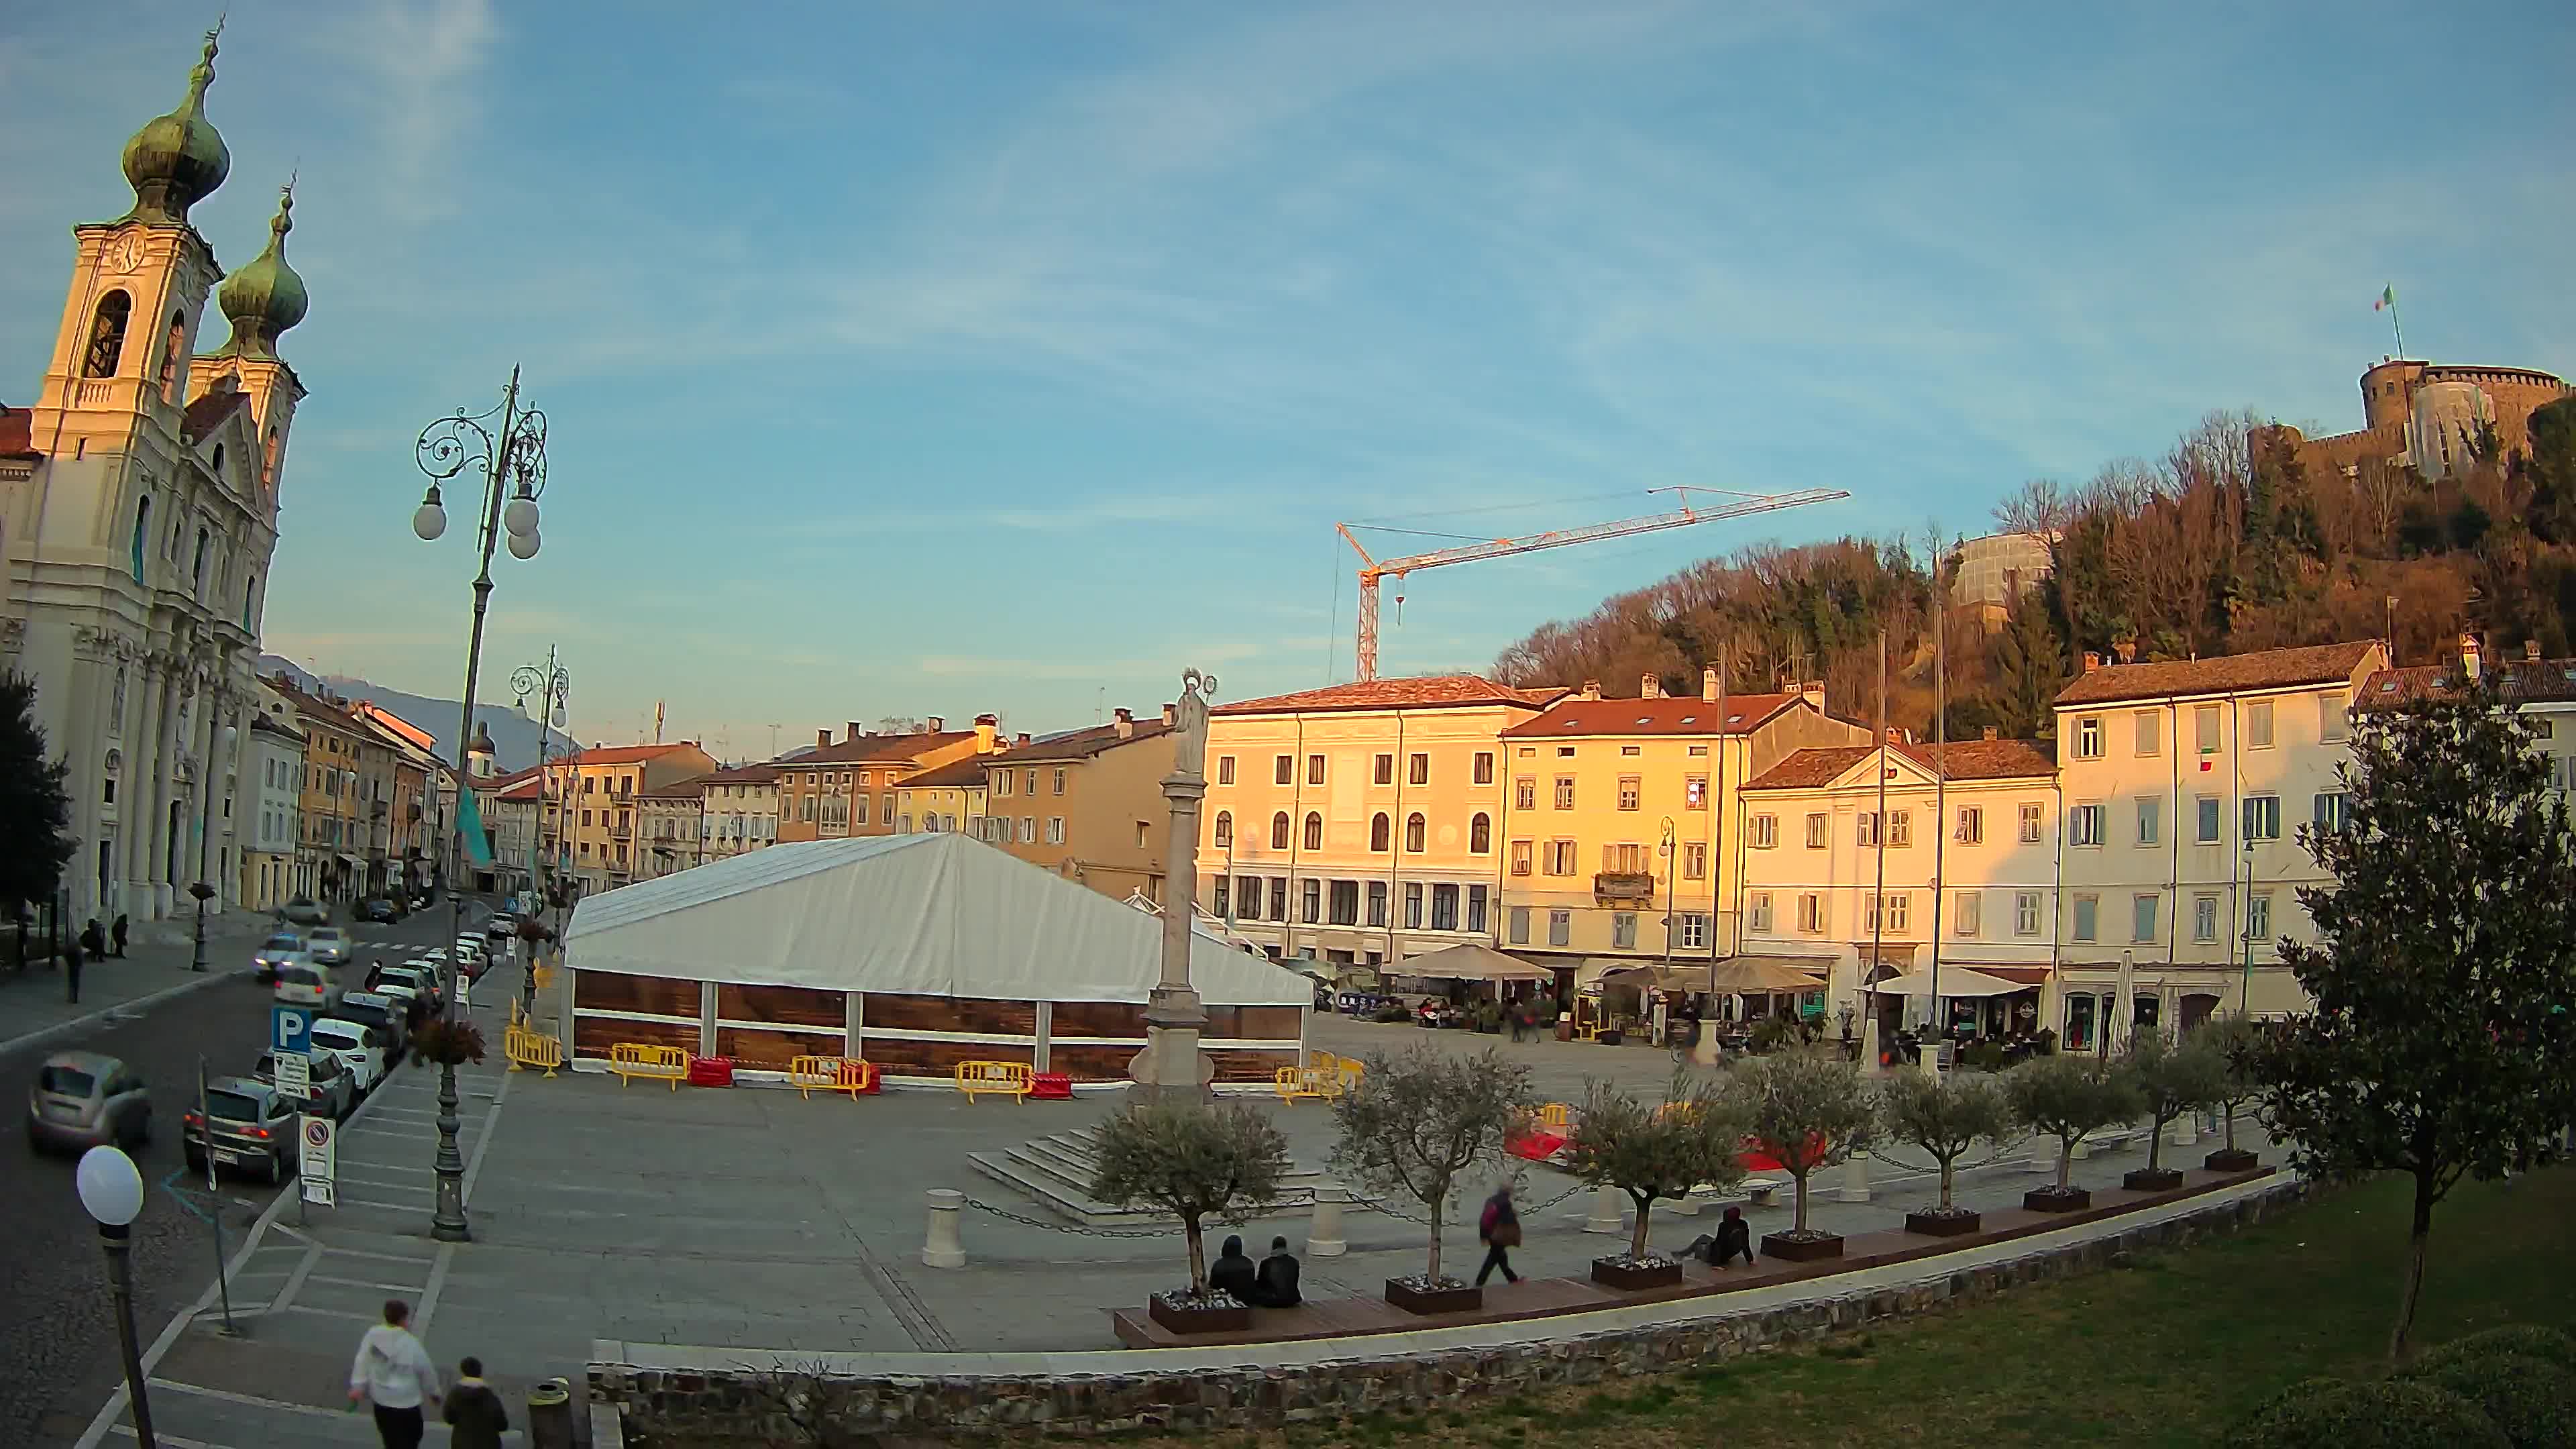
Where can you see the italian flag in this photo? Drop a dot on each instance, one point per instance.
(2387, 299)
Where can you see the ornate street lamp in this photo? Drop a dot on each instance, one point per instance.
(510, 455)
(111, 1192)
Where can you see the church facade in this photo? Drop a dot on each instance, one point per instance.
(139, 498)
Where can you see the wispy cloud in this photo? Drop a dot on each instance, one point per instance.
(413, 70)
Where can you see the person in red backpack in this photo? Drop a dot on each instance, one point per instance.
(1500, 1230)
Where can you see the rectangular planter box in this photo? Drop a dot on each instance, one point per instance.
(1610, 1273)
(1465, 1299)
(2050, 1200)
(1936, 1225)
(1198, 1320)
(2231, 1160)
(2157, 1179)
(1799, 1250)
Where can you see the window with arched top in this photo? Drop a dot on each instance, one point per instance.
(1413, 830)
(107, 335)
(268, 465)
(1224, 829)
(218, 468)
(173, 348)
(142, 531)
(1314, 831)
(1279, 831)
(1480, 834)
(197, 571)
(1378, 832)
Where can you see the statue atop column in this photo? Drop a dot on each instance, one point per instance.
(1190, 724)
(1172, 1066)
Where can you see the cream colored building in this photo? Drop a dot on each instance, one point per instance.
(1087, 804)
(1594, 785)
(948, 798)
(837, 791)
(1969, 860)
(593, 822)
(268, 833)
(671, 828)
(2184, 786)
(1360, 823)
(742, 810)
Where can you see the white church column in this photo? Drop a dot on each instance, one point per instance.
(145, 807)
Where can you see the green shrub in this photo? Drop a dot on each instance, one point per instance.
(2400, 1414)
(2531, 1340)
(2532, 1400)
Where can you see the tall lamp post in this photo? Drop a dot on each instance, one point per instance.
(2245, 995)
(510, 454)
(111, 1192)
(204, 890)
(552, 685)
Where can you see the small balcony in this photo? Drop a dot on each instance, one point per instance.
(621, 832)
(1622, 885)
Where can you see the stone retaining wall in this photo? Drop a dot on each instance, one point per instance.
(730, 1403)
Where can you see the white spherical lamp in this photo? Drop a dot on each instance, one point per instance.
(524, 545)
(111, 1190)
(429, 520)
(520, 517)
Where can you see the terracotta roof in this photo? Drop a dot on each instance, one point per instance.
(17, 433)
(628, 754)
(530, 788)
(1819, 766)
(880, 747)
(692, 788)
(2223, 674)
(207, 413)
(504, 782)
(2518, 679)
(1082, 744)
(1672, 715)
(264, 721)
(1438, 691)
(955, 775)
(765, 774)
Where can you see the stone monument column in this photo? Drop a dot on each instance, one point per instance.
(1171, 1067)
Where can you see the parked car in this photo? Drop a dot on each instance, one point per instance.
(83, 1099)
(251, 1127)
(303, 911)
(359, 1048)
(380, 908)
(471, 958)
(279, 948)
(501, 927)
(383, 1013)
(301, 983)
(418, 976)
(335, 1088)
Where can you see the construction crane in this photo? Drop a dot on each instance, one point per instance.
(1372, 570)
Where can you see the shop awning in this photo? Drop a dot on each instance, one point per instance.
(1757, 975)
(1468, 961)
(2024, 975)
(354, 862)
(1955, 981)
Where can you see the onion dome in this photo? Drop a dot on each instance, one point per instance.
(264, 298)
(178, 160)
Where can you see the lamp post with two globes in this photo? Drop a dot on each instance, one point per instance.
(511, 456)
(111, 1191)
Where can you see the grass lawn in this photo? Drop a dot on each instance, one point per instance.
(2172, 1350)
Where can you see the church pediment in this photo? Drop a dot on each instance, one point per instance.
(223, 436)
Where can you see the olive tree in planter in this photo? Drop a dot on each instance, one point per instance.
(2066, 1096)
(1947, 1117)
(1651, 1150)
(1194, 1161)
(2171, 1078)
(1417, 1122)
(2235, 1038)
(1808, 1110)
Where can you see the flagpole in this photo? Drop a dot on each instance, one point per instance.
(2388, 299)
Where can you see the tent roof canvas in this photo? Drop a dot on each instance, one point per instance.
(930, 915)
(1468, 961)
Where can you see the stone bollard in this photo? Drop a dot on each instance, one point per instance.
(550, 1415)
(2083, 1148)
(2184, 1131)
(1855, 1186)
(943, 1248)
(1324, 1233)
(1606, 1217)
(1685, 1206)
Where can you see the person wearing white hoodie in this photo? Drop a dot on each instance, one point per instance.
(393, 1372)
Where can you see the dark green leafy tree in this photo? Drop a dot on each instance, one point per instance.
(2441, 1043)
(35, 810)
(2065, 1096)
(1422, 1118)
(1192, 1160)
(2173, 1078)
(1651, 1150)
(1946, 1117)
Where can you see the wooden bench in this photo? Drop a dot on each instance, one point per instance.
(809, 1075)
(1010, 1079)
(632, 1059)
(527, 1048)
(1315, 1083)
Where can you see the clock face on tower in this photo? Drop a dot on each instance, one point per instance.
(125, 254)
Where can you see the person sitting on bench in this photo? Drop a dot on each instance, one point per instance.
(1233, 1272)
(1276, 1284)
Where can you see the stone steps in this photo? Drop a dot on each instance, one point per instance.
(1055, 1172)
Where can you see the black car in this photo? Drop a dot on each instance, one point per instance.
(379, 908)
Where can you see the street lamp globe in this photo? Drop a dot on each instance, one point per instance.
(111, 1190)
(429, 520)
(524, 545)
(520, 517)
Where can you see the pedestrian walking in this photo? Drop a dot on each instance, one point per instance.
(393, 1373)
(1499, 1228)
(72, 969)
(116, 933)
(473, 1411)
(93, 939)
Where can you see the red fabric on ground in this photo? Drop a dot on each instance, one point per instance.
(1538, 1146)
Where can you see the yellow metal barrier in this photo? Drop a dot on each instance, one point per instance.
(526, 1048)
(1556, 1116)
(632, 1059)
(1347, 1073)
(809, 1075)
(1321, 1083)
(1010, 1079)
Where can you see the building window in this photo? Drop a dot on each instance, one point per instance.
(1382, 769)
(1314, 903)
(1028, 829)
(1380, 832)
(2334, 810)
(1565, 752)
(1002, 781)
(1625, 858)
(2142, 917)
(1417, 770)
(1279, 898)
(1225, 830)
(1900, 912)
(1346, 903)
(1757, 911)
(2088, 910)
(1900, 827)
(1059, 780)
(1629, 792)
(1560, 928)
(1314, 769)
(1284, 770)
(1820, 830)
(2150, 741)
(1866, 825)
(2258, 725)
(2262, 817)
(1695, 793)
(1565, 792)
(1476, 896)
(2334, 718)
(1484, 768)
(107, 335)
(1413, 833)
(1520, 925)
(1314, 831)
(1560, 857)
(1811, 913)
(2258, 916)
(1524, 793)
(2150, 819)
(1480, 834)
(2204, 918)
(1413, 905)
(1028, 785)
(2204, 728)
(2088, 737)
(1623, 930)
(1968, 913)
(1224, 773)
(2084, 825)
(1279, 831)
(2026, 913)
(1694, 860)
(1377, 903)
(1764, 831)
(1221, 898)
(1971, 829)
(1444, 908)
(1520, 857)
(142, 531)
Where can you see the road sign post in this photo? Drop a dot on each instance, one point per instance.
(290, 1029)
(319, 1142)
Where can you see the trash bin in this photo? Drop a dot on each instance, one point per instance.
(550, 1415)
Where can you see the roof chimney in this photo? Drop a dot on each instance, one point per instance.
(1020, 740)
(1989, 733)
(2469, 657)
(934, 725)
(822, 738)
(988, 728)
(1650, 687)
(2127, 650)
(1813, 692)
(1171, 714)
(1126, 723)
(1708, 685)
(1592, 689)
(2531, 651)
(855, 732)
(2092, 661)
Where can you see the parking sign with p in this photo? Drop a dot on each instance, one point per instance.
(290, 1029)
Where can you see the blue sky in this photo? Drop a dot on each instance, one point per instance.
(927, 358)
